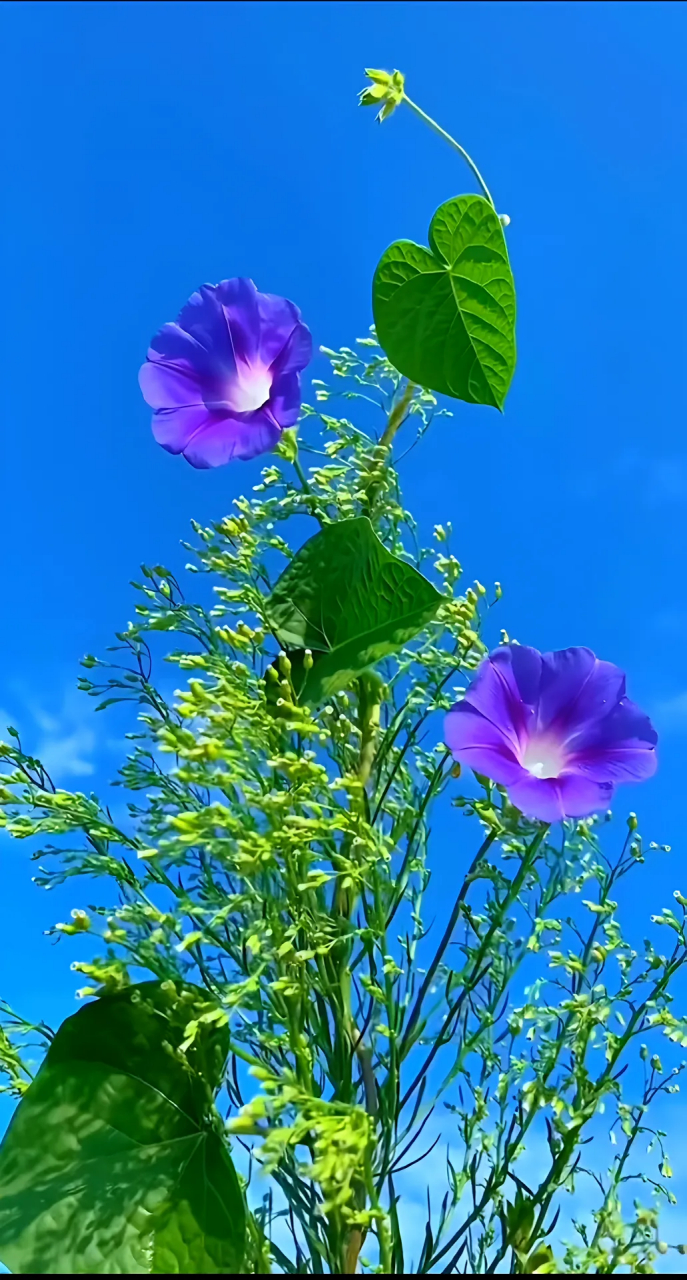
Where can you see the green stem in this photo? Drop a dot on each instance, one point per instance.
(456, 145)
(396, 419)
(305, 485)
(397, 416)
(448, 934)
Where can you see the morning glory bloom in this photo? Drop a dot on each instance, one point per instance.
(556, 729)
(224, 378)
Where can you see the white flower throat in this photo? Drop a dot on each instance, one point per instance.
(544, 757)
(250, 389)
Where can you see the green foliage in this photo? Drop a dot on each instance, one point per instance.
(350, 602)
(114, 1160)
(445, 316)
(271, 877)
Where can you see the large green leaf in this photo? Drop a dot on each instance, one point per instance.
(445, 316)
(350, 601)
(111, 1162)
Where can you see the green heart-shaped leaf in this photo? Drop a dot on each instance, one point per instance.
(445, 316)
(350, 601)
(112, 1162)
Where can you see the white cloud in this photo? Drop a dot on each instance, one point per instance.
(60, 730)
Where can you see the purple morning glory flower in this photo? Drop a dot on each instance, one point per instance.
(224, 378)
(556, 729)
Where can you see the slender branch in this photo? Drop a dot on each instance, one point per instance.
(448, 934)
(452, 142)
(396, 419)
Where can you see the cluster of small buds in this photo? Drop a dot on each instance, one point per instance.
(234, 526)
(385, 92)
(449, 567)
(82, 923)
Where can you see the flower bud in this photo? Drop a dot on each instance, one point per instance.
(288, 444)
(307, 660)
(504, 219)
(632, 822)
(385, 92)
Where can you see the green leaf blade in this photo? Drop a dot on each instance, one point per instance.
(111, 1162)
(350, 601)
(446, 316)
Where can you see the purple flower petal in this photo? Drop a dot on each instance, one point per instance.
(578, 689)
(555, 728)
(240, 303)
(481, 745)
(620, 746)
(285, 399)
(551, 799)
(173, 428)
(223, 440)
(224, 378)
(494, 693)
(204, 319)
(278, 320)
(173, 348)
(296, 354)
(168, 386)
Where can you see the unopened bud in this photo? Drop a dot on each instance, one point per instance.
(288, 445)
(385, 92)
(632, 822)
(504, 219)
(308, 660)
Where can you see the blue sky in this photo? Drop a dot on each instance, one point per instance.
(149, 147)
